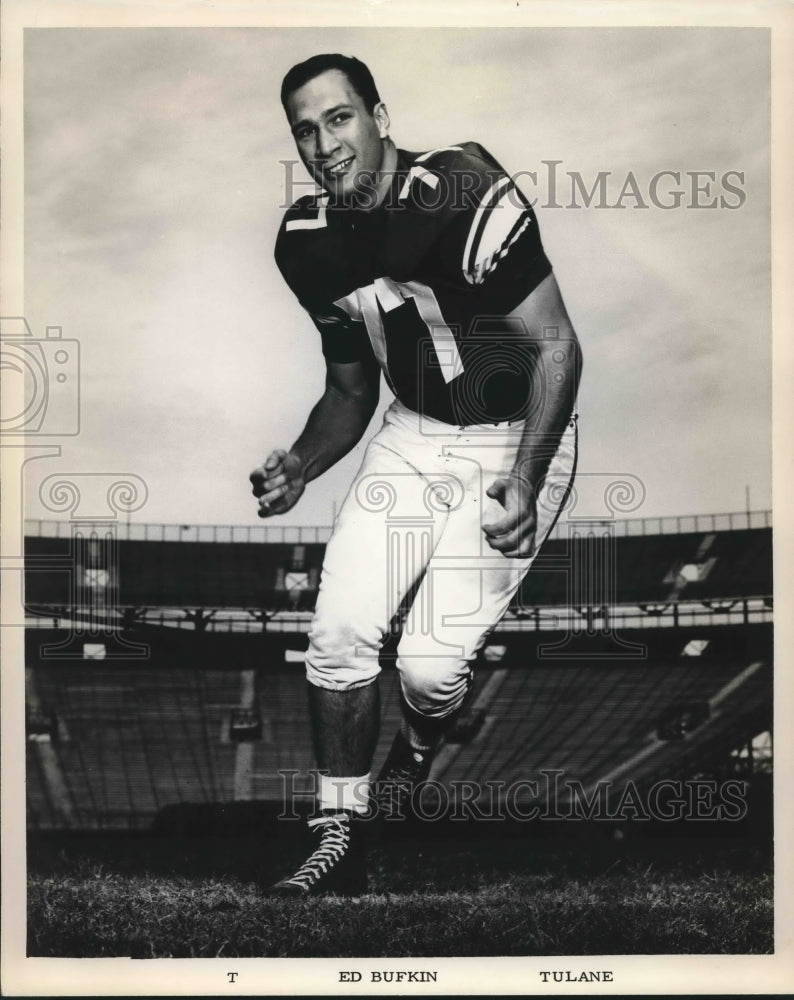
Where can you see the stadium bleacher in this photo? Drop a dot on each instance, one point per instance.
(176, 574)
(212, 716)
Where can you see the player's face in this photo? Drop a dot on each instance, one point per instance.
(339, 141)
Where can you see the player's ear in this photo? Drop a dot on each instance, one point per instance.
(381, 116)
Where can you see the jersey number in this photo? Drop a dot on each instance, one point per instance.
(365, 304)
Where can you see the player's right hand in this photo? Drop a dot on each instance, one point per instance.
(278, 482)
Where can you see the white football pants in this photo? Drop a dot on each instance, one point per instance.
(415, 510)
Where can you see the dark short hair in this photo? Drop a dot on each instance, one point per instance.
(356, 71)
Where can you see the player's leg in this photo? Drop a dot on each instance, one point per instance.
(344, 727)
(367, 571)
(465, 592)
(410, 757)
(360, 591)
(344, 731)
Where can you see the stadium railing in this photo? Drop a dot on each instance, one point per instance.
(305, 535)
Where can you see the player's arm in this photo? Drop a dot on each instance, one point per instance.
(558, 368)
(335, 425)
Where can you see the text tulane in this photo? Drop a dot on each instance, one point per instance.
(571, 976)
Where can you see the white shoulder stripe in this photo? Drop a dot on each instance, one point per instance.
(319, 222)
(490, 196)
(488, 263)
(418, 173)
(441, 149)
(498, 225)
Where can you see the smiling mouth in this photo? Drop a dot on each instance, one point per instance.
(339, 168)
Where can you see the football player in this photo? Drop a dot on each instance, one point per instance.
(428, 268)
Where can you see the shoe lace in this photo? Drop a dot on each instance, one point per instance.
(396, 787)
(334, 842)
(407, 770)
(399, 775)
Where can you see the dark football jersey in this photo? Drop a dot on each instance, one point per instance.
(424, 282)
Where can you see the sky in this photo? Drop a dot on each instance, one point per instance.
(155, 182)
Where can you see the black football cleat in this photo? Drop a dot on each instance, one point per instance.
(402, 773)
(337, 865)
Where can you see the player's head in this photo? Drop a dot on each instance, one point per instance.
(355, 70)
(339, 123)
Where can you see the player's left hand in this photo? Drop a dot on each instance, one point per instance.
(514, 534)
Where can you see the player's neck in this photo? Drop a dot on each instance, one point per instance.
(382, 181)
(388, 169)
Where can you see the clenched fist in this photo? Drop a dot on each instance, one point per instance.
(278, 483)
(513, 534)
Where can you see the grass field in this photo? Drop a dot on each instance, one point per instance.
(492, 892)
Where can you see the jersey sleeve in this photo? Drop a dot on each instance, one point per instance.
(343, 340)
(491, 239)
(305, 254)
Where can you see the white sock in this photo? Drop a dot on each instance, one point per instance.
(351, 794)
